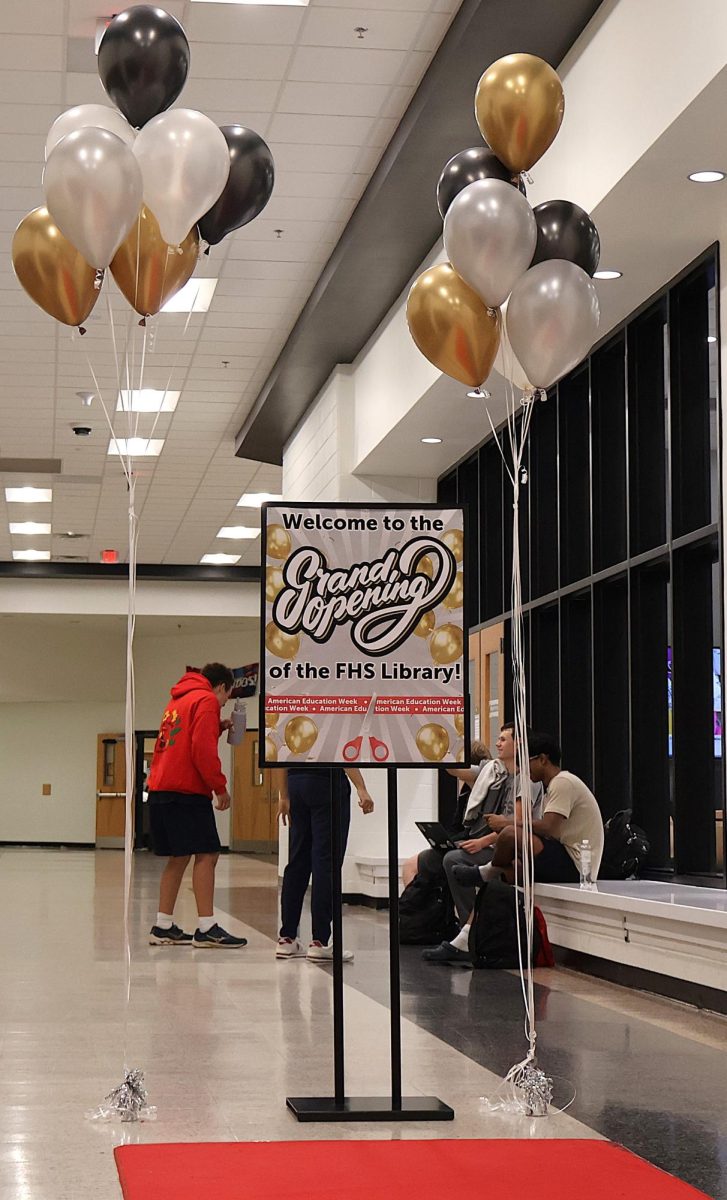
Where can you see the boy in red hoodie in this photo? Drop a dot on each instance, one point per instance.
(185, 773)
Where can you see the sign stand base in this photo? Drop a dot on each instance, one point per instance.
(369, 1108)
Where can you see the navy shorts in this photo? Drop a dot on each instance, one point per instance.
(182, 825)
(554, 864)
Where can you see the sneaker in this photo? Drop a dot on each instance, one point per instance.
(467, 874)
(173, 936)
(317, 952)
(288, 948)
(447, 953)
(217, 937)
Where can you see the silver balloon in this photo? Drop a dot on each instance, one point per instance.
(489, 237)
(185, 163)
(552, 320)
(100, 116)
(93, 191)
(506, 363)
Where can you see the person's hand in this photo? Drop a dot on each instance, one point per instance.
(283, 809)
(473, 846)
(365, 803)
(225, 725)
(222, 801)
(497, 822)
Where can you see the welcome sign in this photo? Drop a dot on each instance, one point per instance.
(363, 641)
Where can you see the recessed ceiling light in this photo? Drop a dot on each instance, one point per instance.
(479, 393)
(607, 274)
(28, 527)
(195, 296)
(149, 400)
(256, 499)
(706, 176)
(238, 531)
(28, 495)
(220, 560)
(136, 447)
(711, 338)
(31, 555)
(431, 441)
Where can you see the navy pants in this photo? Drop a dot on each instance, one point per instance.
(311, 849)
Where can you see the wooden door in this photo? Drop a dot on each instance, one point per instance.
(110, 791)
(254, 825)
(492, 683)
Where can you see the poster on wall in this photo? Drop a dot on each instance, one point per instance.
(246, 679)
(363, 645)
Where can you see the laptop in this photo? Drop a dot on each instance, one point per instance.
(437, 836)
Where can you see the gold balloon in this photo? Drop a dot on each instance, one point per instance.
(53, 272)
(271, 750)
(447, 644)
(273, 583)
(433, 742)
(455, 597)
(451, 326)
(454, 538)
(279, 542)
(459, 724)
(147, 269)
(425, 566)
(300, 735)
(425, 626)
(271, 720)
(282, 645)
(519, 108)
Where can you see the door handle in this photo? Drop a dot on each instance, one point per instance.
(110, 795)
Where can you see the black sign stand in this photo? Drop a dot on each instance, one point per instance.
(340, 1107)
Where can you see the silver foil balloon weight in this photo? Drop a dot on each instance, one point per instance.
(127, 1103)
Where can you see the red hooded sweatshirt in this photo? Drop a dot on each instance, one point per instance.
(185, 756)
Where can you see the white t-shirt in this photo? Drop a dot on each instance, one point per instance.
(568, 796)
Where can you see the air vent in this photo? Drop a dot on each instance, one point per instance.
(70, 558)
(30, 466)
(72, 536)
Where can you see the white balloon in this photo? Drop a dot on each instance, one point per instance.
(185, 163)
(92, 185)
(83, 115)
(505, 361)
(490, 234)
(552, 319)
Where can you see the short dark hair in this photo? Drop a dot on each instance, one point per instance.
(217, 673)
(479, 752)
(508, 725)
(544, 743)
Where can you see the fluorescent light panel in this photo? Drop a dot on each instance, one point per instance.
(296, 3)
(238, 531)
(148, 400)
(136, 447)
(28, 495)
(195, 296)
(220, 560)
(31, 555)
(256, 499)
(28, 527)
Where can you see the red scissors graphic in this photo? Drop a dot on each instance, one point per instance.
(379, 749)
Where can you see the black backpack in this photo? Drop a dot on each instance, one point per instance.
(426, 913)
(625, 847)
(493, 942)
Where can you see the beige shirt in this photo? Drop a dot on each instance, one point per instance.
(569, 796)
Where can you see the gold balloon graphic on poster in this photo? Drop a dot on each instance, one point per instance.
(282, 645)
(459, 724)
(454, 538)
(425, 566)
(273, 583)
(147, 269)
(425, 626)
(433, 742)
(53, 272)
(300, 734)
(455, 596)
(447, 644)
(519, 108)
(271, 720)
(279, 542)
(271, 750)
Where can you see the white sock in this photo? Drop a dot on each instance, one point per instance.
(462, 940)
(204, 924)
(165, 920)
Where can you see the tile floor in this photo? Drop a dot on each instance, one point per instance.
(223, 1038)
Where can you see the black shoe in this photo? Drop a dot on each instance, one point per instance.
(447, 953)
(174, 936)
(217, 936)
(468, 876)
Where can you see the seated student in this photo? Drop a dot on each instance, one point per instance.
(570, 816)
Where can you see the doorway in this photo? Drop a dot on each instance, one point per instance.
(254, 824)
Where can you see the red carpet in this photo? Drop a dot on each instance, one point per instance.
(384, 1170)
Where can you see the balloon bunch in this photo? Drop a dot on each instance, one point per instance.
(517, 292)
(135, 190)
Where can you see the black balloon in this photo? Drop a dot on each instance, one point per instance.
(479, 162)
(143, 61)
(566, 231)
(248, 188)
